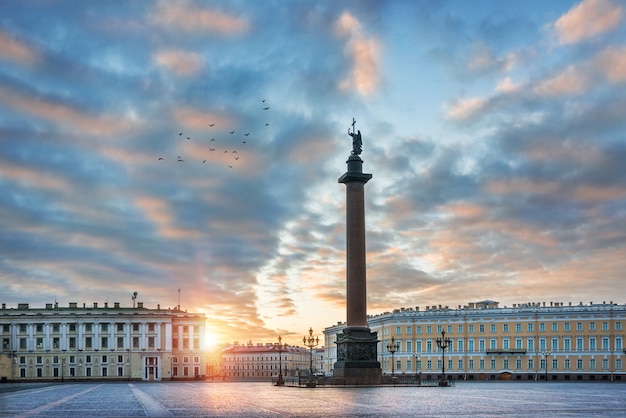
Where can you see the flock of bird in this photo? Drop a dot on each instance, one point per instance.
(232, 154)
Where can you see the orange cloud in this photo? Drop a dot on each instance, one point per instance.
(364, 53)
(16, 51)
(573, 80)
(185, 16)
(70, 118)
(159, 213)
(612, 63)
(465, 108)
(190, 118)
(179, 62)
(586, 20)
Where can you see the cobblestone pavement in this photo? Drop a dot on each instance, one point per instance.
(228, 399)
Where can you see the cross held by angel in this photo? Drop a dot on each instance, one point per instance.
(357, 142)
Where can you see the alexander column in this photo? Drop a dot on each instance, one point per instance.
(357, 346)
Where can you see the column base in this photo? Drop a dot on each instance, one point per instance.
(357, 362)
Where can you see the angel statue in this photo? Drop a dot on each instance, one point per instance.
(357, 143)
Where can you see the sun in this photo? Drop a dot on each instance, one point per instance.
(211, 339)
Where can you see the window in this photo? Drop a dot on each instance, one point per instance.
(542, 327)
(605, 363)
(566, 326)
(592, 364)
(105, 371)
(120, 359)
(530, 344)
(459, 345)
(105, 359)
(429, 365)
(459, 329)
(555, 363)
(429, 329)
(470, 329)
(531, 364)
(39, 342)
(88, 342)
(592, 326)
(409, 330)
(579, 363)
(409, 365)
(87, 359)
(493, 364)
(529, 327)
(449, 329)
(429, 346)
(505, 364)
(39, 327)
(492, 343)
(196, 359)
(505, 327)
(470, 345)
(72, 327)
(518, 344)
(55, 342)
(6, 328)
(605, 326)
(73, 342)
(120, 371)
(104, 327)
(505, 345)
(579, 344)
(592, 343)
(135, 327)
(555, 344)
(409, 346)
(481, 364)
(618, 343)
(6, 344)
(567, 364)
(579, 326)
(618, 325)
(398, 330)
(493, 328)
(150, 342)
(185, 359)
(470, 364)
(150, 327)
(136, 342)
(605, 344)
(22, 343)
(518, 327)
(618, 364)
(481, 345)
(104, 343)
(567, 344)
(542, 343)
(120, 342)
(55, 327)
(555, 326)
(418, 329)
(87, 327)
(481, 328)
(39, 360)
(120, 327)
(439, 329)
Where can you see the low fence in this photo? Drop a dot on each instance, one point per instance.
(306, 381)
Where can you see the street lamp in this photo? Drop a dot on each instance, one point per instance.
(392, 347)
(280, 381)
(62, 367)
(443, 343)
(311, 342)
(545, 356)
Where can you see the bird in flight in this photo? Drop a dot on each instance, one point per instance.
(234, 152)
(225, 151)
(211, 125)
(267, 124)
(236, 158)
(263, 100)
(244, 142)
(180, 134)
(180, 160)
(203, 161)
(266, 108)
(211, 149)
(188, 138)
(246, 134)
(230, 166)
(161, 158)
(212, 139)
(232, 132)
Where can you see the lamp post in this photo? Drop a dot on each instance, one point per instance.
(545, 356)
(443, 343)
(281, 346)
(62, 367)
(311, 342)
(392, 347)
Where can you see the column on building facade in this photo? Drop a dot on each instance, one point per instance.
(168, 336)
(112, 340)
(96, 335)
(47, 341)
(128, 341)
(201, 331)
(157, 343)
(143, 344)
(30, 341)
(63, 344)
(180, 338)
(191, 334)
(80, 343)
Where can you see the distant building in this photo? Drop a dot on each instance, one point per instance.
(261, 361)
(100, 343)
(530, 341)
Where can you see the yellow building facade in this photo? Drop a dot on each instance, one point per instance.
(100, 343)
(534, 341)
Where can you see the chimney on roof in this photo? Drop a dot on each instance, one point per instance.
(116, 305)
(140, 305)
(95, 304)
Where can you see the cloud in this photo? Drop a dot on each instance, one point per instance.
(463, 109)
(612, 63)
(573, 80)
(507, 86)
(185, 16)
(181, 63)
(16, 51)
(587, 20)
(364, 53)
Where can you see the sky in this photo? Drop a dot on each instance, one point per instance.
(189, 151)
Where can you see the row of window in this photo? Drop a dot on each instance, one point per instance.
(88, 327)
(71, 359)
(567, 364)
(89, 343)
(458, 345)
(530, 327)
